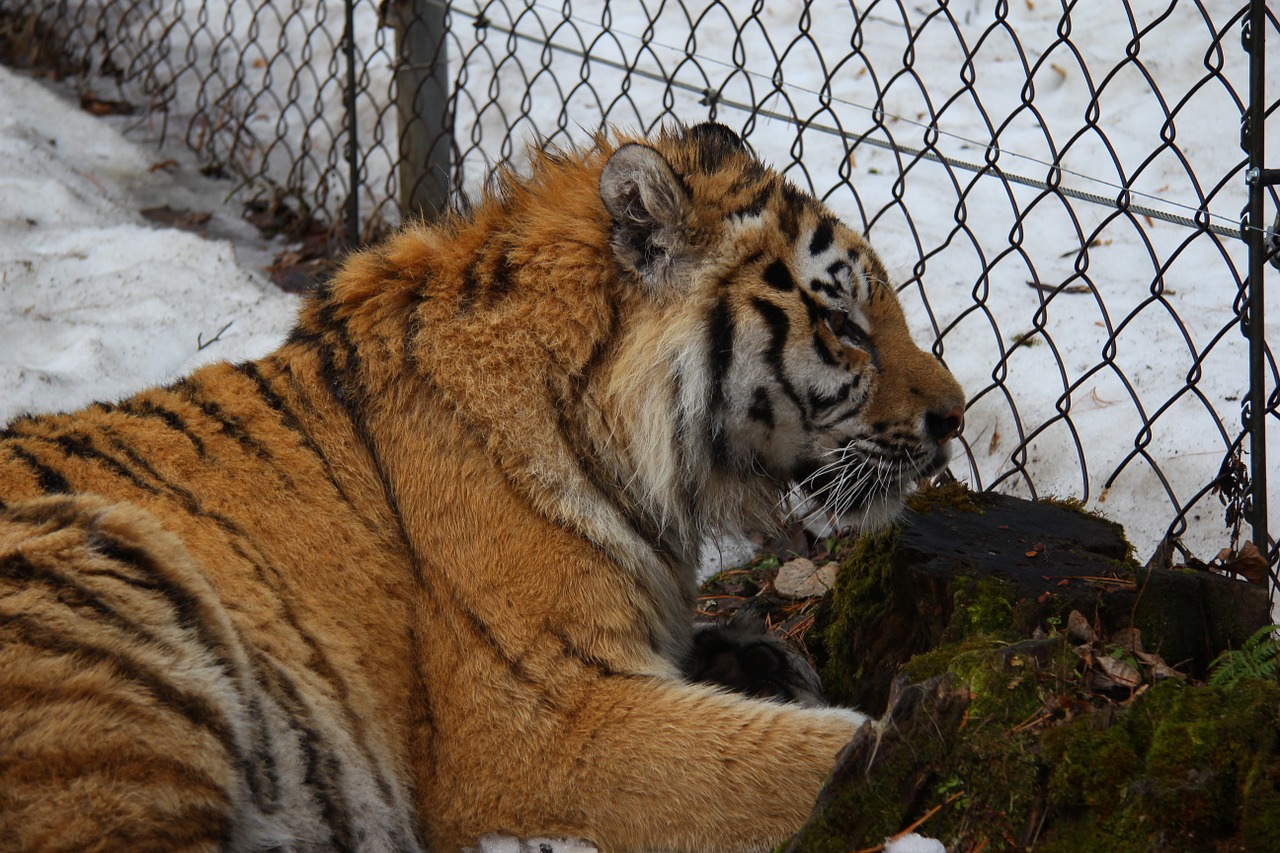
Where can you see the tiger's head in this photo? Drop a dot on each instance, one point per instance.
(787, 354)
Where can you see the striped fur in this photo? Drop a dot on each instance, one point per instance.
(425, 572)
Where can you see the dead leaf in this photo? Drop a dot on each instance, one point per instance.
(102, 107)
(1249, 564)
(1078, 627)
(1109, 672)
(171, 217)
(800, 578)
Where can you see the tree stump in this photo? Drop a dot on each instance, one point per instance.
(961, 564)
(1044, 712)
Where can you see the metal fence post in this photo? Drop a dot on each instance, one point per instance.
(422, 102)
(352, 152)
(1258, 178)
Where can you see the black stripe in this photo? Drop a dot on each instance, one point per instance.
(340, 363)
(470, 287)
(779, 327)
(347, 390)
(719, 350)
(761, 409)
(794, 204)
(79, 446)
(67, 592)
(323, 770)
(758, 202)
(230, 425)
(277, 404)
(190, 826)
(714, 144)
(821, 402)
(502, 281)
(601, 351)
(482, 630)
(816, 311)
(778, 276)
(720, 356)
(50, 481)
(600, 667)
(854, 410)
(603, 478)
(824, 353)
(822, 236)
(186, 604)
(194, 708)
(146, 409)
(62, 512)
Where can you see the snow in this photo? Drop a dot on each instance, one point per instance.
(96, 301)
(495, 843)
(912, 843)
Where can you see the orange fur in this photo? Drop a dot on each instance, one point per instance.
(425, 572)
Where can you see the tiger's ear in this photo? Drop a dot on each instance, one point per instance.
(652, 214)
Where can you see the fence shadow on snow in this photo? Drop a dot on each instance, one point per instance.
(1072, 195)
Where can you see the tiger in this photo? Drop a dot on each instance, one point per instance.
(426, 571)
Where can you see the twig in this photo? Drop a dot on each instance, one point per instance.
(1035, 719)
(1058, 288)
(1103, 579)
(202, 344)
(914, 825)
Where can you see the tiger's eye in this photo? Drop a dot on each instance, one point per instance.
(846, 330)
(838, 323)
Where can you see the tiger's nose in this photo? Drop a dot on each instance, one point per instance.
(946, 426)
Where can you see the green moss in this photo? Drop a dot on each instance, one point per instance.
(1007, 681)
(930, 497)
(859, 597)
(981, 606)
(1181, 768)
(944, 658)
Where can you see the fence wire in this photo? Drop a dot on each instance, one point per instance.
(1060, 188)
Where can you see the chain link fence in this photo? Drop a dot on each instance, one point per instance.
(1063, 190)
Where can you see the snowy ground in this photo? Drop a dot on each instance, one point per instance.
(95, 301)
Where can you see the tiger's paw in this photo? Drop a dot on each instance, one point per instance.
(742, 656)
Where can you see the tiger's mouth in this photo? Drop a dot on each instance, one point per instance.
(865, 489)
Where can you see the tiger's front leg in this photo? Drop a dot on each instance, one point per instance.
(642, 763)
(670, 766)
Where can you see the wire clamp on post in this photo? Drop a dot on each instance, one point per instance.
(1265, 177)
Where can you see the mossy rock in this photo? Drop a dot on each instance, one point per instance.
(1032, 762)
(975, 590)
(961, 564)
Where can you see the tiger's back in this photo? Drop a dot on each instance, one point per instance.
(426, 571)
